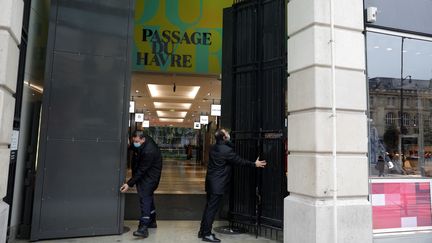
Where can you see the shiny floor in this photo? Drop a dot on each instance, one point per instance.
(180, 177)
(167, 232)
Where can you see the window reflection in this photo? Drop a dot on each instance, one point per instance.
(400, 92)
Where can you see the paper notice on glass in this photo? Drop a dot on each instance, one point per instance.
(14, 140)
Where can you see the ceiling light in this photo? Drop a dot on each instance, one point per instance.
(154, 92)
(171, 114)
(389, 49)
(194, 92)
(376, 47)
(171, 120)
(166, 91)
(136, 91)
(175, 106)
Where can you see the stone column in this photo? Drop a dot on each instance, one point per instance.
(309, 208)
(11, 13)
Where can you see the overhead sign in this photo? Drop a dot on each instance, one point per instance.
(146, 123)
(178, 36)
(204, 120)
(139, 117)
(216, 110)
(131, 106)
(197, 125)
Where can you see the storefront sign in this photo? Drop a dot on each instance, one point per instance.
(400, 205)
(204, 120)
(178, 36)
(215, 110)
(139, 117)
(131, 106)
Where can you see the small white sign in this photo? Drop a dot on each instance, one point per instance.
(197, 125)
(216, 110)
(14, 140)
(131, 106)
(204, 120)
(146, 123)
(139, 117)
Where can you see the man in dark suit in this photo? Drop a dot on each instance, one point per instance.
(146, 173)
(221, 158)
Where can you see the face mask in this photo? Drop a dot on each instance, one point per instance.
(137, 145)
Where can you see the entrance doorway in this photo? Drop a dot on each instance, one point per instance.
(170, 105)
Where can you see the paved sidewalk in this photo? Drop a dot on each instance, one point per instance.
(167, 232)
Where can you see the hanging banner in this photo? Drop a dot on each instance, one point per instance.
(178, 36)
(146, 123)
(131, 106)
(216, 110)
(197, 125)
(204, 120)
(139, 117)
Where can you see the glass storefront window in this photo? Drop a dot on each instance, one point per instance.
(400, 91)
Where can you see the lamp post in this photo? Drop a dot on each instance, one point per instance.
(402, 129)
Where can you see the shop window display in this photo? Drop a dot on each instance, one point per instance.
(400, 85)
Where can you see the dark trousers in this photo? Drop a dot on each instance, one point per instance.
(148, 210)
(212, 206)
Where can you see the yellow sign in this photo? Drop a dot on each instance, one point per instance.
(181, 36)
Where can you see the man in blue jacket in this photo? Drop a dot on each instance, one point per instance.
(221, 158)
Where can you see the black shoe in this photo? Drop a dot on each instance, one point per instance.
(141, 232)
(211, 238)
(152, 225)
(200, 234)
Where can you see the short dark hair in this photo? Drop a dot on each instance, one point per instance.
(139, 133)
(219, 134)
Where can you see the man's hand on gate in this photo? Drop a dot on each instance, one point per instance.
(124, 188)
(260, 163)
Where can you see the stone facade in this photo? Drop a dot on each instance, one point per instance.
(309, 208)
(11, 13)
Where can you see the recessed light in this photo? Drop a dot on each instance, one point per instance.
(376, 47)
(136, 91)
(389, 49)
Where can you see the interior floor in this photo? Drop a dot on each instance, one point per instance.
(180, 177)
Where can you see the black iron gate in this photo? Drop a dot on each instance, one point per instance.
(254, 101)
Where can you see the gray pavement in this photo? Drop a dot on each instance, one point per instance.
(167, 232)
